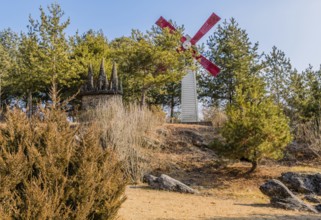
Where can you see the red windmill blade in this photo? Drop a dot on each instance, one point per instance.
(163, 23)
(209, 23)
(208, 65)
(187, 42)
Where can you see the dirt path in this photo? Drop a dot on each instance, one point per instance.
(144, 204)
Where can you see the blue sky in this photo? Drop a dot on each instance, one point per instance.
(294, 26)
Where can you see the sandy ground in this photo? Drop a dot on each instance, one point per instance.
(143, 203)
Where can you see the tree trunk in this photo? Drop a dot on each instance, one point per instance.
(54, 94)
(253, 168)
(172, 108)
(143, 97)
(29, 104)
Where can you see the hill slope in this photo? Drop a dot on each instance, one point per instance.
(225, 193)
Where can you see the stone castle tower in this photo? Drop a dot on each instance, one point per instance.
(101, 90)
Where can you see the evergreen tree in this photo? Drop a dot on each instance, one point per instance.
(9, 42)
(149, 61)
(304, 96)
(27, 81)
(54, 52)
(168, 96)
(90, 48)
(297, 98)
(41, 57)
(5, 66)
(256, 128)
(277, 74)
(313, 108)
(304, 107)
(231, 49)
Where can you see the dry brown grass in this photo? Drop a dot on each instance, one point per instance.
(124, 128)
(215, 115)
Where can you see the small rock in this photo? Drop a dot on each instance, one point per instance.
(168, 183)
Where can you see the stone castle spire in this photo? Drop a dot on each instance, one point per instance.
(98, 90)
(102, 80)
(101, 85)
(90, 79)
(113, 86)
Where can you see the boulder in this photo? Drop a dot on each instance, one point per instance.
(167, 183)
(302, 183)
(282, 197)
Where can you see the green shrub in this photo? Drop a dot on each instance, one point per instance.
(256, 127)
(49, 170)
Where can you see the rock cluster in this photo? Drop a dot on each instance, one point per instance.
(293, 191)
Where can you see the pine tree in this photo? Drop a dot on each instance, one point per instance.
(304, 96)
(27, 80)
(277, 74)
(231, 49)
(42, 57)
(89, 49)
(9, 42)
(256, 127)
(54, 52)
(313, 83)
(168, 96)
(149, 61)
(297, 99)
(5, 66)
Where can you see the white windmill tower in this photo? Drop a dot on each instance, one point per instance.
(189, 91)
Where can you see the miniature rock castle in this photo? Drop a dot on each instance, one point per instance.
(100, 92)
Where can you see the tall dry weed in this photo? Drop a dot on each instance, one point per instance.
(49, 170)
(123, 129)
(215, 115)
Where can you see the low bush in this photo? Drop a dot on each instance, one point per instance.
(49, 170)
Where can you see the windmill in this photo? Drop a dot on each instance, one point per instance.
(189, 94)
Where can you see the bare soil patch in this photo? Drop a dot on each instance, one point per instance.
(143, 203)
